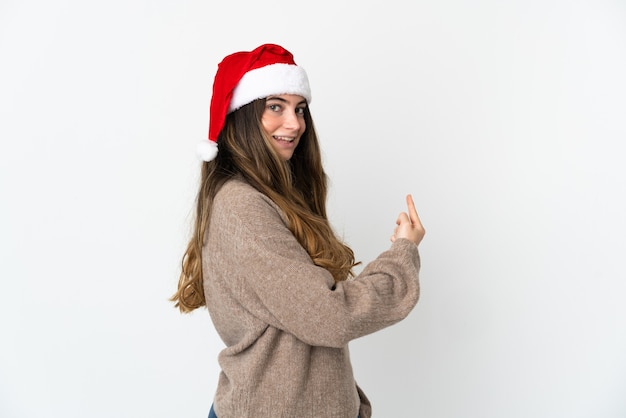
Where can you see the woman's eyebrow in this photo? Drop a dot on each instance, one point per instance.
(303, 101)
(276, 98)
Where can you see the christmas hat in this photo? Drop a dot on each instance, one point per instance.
(245, 76)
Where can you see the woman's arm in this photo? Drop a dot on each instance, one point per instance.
(273, 277)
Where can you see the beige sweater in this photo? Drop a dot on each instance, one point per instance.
(285, 324)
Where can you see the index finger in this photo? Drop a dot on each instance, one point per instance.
(413, 216)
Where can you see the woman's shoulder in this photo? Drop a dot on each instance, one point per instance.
(235, 187)
(239, 203)
(236, 195)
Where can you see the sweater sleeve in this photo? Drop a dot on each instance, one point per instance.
(251, 250)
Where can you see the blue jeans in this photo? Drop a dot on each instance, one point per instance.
(212, 413)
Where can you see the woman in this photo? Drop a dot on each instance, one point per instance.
(276, 280)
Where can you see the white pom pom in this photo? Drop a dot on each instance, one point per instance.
(207, 150)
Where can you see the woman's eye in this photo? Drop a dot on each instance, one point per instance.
(300, 110)
(274, 107)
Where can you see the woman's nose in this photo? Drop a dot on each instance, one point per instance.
(292, 121)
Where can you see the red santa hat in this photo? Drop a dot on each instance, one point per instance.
(245, 76)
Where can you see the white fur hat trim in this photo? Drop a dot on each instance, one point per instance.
(270, 80)
(207, 150)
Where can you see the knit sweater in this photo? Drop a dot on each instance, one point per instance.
(285, 323)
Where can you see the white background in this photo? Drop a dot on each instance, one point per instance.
(505, 120)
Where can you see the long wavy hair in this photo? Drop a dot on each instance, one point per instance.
(297, 186)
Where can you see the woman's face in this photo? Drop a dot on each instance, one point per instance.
(283, 120)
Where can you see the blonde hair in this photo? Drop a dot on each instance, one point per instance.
(297, 186)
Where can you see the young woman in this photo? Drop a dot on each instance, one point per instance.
(264, 260)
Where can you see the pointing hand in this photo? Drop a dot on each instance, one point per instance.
(409, 225)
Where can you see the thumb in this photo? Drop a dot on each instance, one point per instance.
(403, 218)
